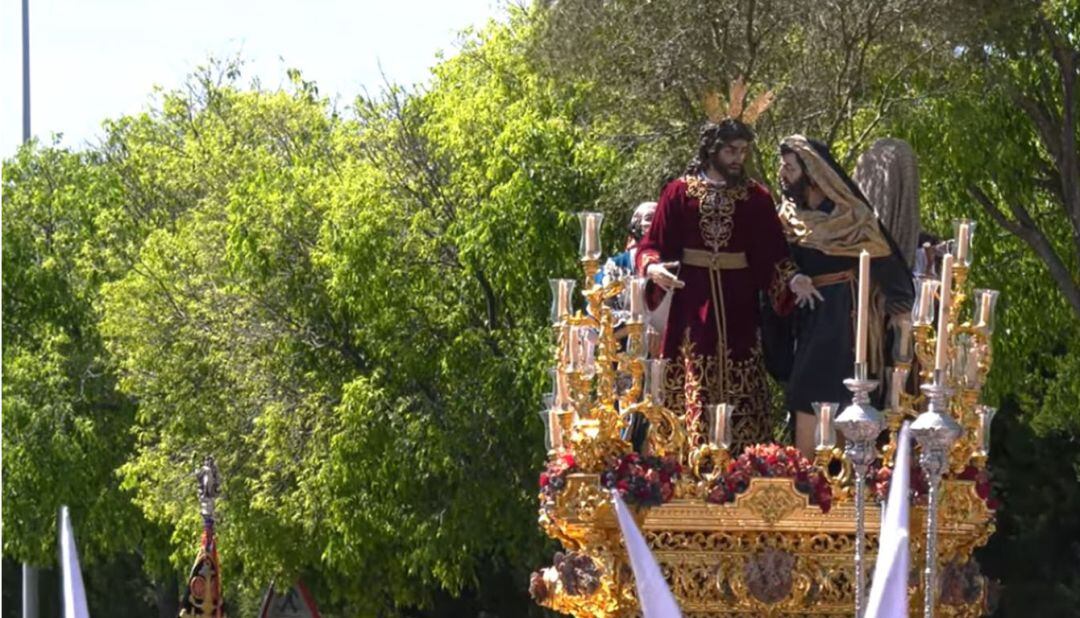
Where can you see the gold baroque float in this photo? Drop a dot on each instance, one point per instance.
(770, 551)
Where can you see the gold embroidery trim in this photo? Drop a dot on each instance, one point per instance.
(716, 208)
(783, 271)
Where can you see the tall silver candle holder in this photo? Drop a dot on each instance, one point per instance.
(861, 423)
(935, 431)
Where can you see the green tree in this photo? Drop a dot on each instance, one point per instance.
(66, 427)
(350, 315)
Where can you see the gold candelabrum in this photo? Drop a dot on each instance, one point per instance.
(769, 551)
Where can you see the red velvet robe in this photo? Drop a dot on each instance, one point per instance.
(713, 337)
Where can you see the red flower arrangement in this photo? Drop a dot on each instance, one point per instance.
(771, 461)
(641, 480)
(880, 477)
(553, 478)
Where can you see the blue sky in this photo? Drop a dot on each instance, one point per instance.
(97, 59)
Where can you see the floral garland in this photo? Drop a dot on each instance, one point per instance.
(641, 480)
(553, 478)
(879, 478)
(771, 461)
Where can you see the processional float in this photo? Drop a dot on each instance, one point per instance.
(765, 532)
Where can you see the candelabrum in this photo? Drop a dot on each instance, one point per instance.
(861, 423)
(936, 432)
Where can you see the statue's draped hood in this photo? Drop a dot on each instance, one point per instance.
(850, 228)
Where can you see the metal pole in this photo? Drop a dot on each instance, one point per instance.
(29, 591)
(861, 423)
(935, 431)
(26, 73)
(29, 572)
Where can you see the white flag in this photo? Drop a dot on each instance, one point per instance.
(74, 592)
(653, 593)
(889, 591)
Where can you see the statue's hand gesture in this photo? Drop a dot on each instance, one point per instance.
(660, 274)
(805, 292)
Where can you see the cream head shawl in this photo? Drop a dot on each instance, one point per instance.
(850, 228)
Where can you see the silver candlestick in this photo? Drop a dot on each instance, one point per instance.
(861, 423)
(935, 431)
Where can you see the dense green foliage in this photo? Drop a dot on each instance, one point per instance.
(348, 309)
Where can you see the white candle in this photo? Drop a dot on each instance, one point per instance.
(922, 312)
(962, 242)
(864, 306)
(568, 347)
(575, 348)
(943, 313)
(590, 235)
(562, 390)
(984, 309)
(637, 298)
(824, 434)
(555, 429)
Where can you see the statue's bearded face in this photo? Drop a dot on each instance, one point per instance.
(730, 158)
(793, 181)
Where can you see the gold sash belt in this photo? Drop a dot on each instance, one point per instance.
(843, 276)
(721, 260)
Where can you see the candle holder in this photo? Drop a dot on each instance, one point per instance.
(861, 423)
(985, 303)
(654, 380)
(547, 417)
(922, 312)
(935, 431)
(637, 298)
(562, 304)
(963, 237)
(966, 360)
(720, 427)
(903, 343)
(985, 415)
(551, 427)
(824, 429)
(589, 247)
(589, 269)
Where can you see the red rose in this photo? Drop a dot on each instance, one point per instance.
(543, 479)
(665, 492)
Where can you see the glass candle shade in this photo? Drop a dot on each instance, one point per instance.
(589, 247)
(562, 303)
(824, 430)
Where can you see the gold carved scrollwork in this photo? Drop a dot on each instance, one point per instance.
(774, 501)
(770, 553)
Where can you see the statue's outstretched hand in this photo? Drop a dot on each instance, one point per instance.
(805, 292)
(660, 274)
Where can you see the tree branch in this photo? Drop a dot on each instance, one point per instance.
(1024, 228)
